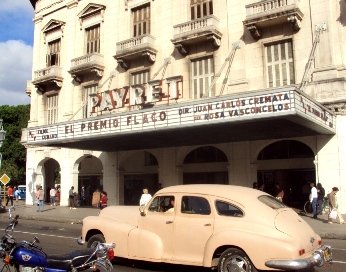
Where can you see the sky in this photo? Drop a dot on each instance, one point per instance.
(16, 42)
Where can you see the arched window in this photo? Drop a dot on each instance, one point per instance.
(286, 149)
(205, 154)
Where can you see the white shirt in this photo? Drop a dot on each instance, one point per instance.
(145, 198)
(313, 193)
(52, 192)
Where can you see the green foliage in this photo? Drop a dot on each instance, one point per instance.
(15, 118)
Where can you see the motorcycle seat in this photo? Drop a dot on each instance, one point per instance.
(73, 259)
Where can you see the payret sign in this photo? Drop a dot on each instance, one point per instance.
(200, 112)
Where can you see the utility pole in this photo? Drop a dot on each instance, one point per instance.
(2, 138)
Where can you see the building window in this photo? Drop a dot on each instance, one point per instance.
(87, 90)
(201, 8)
(52, 109)
(93, 39)
(53, 56)
(202, 71)
(139, 78)
(141, 20)
(279, 64)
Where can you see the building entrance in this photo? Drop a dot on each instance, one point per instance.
(289, 165)
(134, 185)
(295, 183)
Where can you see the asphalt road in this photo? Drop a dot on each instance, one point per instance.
(60, 238)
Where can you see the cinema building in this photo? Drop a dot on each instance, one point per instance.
(136, 94)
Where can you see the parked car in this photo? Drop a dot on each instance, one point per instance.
(22, 192)
(232, 228)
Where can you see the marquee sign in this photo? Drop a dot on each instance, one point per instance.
(198, 112)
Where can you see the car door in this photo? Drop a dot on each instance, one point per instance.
(193, 226)
(155, 230)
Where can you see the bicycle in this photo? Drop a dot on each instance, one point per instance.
(307, 207)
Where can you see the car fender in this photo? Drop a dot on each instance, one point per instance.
(252, 243)
(113, 232)
(145, 245)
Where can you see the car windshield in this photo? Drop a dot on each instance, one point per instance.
(271, 201)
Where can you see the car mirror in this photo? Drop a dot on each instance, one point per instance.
(142, 210)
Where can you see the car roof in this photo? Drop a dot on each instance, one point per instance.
(220, 190)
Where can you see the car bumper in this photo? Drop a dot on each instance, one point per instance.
(318, 258)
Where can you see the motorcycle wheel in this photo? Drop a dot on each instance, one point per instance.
(233, 259)
(95, 239)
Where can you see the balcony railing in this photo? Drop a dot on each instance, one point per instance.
(135, 48)
(46, 4)
(87, 64)
(51, 75)
(269, 5)
(196, 31)
(272, 12)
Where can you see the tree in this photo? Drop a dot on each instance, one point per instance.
(15, 118)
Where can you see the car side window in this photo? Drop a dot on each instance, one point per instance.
(162, 204)
(195, 205)
(228, 209)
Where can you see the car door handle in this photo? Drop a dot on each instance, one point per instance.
(207, 225)
(169, 222)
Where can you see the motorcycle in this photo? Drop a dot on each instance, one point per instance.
(27, 256)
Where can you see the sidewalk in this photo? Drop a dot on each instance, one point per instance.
(65, 215)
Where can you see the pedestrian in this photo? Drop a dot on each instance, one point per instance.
(71, 195)
(16, 193)
(40, 199)
(103, 200)
(52, 194)
(83, 196)
(279, 192)
(313, 199)
(9, 195)
(333, 207)
(320, 197)
(145, 197)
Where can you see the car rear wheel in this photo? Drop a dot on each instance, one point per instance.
(95, 239)
(233, 259)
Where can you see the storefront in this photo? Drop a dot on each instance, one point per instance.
(269, 137)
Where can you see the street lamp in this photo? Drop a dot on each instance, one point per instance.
(2, 138)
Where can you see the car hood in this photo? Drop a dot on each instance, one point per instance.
(290, 223)
(124, 214)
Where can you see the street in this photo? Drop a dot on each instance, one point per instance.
(60, 238)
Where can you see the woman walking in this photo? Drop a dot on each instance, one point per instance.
(333, 204)
(40, 199)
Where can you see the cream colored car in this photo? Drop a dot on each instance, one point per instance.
(229, 227)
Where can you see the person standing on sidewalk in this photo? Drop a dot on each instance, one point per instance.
(52, 194)
(313, 199)
(103, 200)
(9, 195)
(40, 199)
(71, 198)
(333, 205)
(320, 197)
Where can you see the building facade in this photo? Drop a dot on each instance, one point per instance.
(136, 94)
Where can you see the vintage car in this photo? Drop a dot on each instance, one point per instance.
(231, 228)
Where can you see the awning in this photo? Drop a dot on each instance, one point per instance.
(274, 114)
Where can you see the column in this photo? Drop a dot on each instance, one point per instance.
(111, 177)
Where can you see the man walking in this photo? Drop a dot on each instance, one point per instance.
(320, 193)
(71, 195)
(313, 199)
(9, 195)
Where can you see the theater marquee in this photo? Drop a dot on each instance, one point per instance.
(199, 112)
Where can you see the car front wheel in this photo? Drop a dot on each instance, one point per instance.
(233, 259)
(95, 239)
